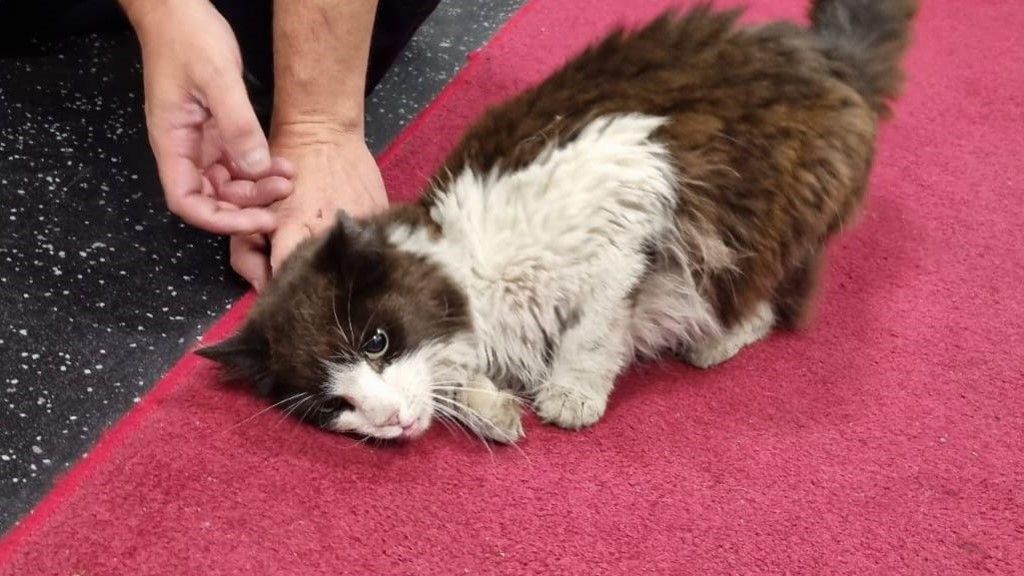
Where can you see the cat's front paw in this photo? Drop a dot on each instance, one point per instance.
(495, 413)
(568, 407)
(502, 419)
(505, 422)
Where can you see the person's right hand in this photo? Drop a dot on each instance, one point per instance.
(213, 159)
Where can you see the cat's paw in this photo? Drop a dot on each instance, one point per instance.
(713, 354)
(504, 422)
(495, 414)
(568, 407)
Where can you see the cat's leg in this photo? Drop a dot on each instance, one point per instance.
(589, 358)
(794, 297)
(711, 351)
(489, 411)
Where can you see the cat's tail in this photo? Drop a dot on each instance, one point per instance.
(869, 36)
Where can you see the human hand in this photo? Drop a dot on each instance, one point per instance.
(334, 170)
(213, 158)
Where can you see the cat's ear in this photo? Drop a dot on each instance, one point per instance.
(244, 356)
(338, 242)
(349, 246)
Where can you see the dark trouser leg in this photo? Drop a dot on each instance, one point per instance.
(21, 20)
(394, 25)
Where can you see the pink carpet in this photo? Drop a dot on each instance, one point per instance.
(886, 439)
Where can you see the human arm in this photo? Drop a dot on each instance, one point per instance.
(321, 49)
(213, 159)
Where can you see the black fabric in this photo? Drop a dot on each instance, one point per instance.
(395, 23)
(21, 21)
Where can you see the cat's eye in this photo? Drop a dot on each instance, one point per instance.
(334, 404)
(377, 345)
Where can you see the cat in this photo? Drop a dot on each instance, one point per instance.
(669, 191)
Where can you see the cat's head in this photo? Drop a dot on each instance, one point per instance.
(354, 335)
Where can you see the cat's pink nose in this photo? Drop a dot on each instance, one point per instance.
(393, 420)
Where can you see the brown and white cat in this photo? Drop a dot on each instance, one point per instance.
(670, 190)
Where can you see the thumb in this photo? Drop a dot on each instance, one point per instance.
(240, 131)
(284, 240)
(249, 259)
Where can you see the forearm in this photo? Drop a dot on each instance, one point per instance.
(321, 48)
(144, 14)
(133, 9)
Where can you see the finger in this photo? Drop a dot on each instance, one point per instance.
(249, 259)
(283, 167)
(263, 192)
(274, 188)
(180, 179)
(209, 214)
(208, 188)
(279, 166)
(284, 242)
(240, 131)
(218, 175)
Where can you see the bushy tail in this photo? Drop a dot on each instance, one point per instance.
(869, 37)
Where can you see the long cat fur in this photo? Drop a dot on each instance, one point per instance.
(669, 190)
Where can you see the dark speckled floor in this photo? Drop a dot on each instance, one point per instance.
(101, 290)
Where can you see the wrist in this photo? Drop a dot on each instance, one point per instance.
(307, 130)
(141, 13)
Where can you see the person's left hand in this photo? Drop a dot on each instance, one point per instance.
(333, 171)
(213, 159)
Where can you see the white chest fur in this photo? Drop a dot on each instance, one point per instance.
(557, 245)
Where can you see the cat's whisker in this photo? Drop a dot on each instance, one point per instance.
(471, 417)
(351, 287)
(337, 321)
(318, 401)
(369, 321)
(473, 420)
(516, 399)
(444, 315)
(468, 420)
(287, 412)
(449, 425)
(479, 419)
(448, 384)
(360, 441)
(449, 420)
(263, 410)
(448, 411)
(345, 355)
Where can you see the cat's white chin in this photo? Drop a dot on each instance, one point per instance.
(385, 433)
(346, 424)
(417, 429)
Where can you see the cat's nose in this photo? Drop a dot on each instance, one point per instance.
(393, 420)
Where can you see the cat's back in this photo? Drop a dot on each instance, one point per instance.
(692, 69)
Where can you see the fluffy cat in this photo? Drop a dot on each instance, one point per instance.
(670, 190)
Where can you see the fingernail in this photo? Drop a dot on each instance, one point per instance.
(256, 161)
